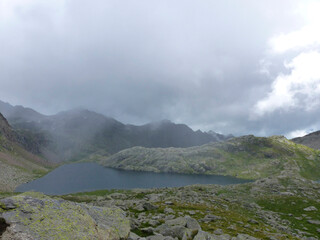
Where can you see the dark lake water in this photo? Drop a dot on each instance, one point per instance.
(81, 177)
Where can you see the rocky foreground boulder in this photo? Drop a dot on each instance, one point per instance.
(36, 216)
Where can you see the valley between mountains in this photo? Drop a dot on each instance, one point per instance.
(282, 201)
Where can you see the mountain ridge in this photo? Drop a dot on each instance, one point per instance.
(311, 140)
(81, 134)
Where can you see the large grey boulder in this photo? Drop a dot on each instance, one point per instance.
(36, 216)
(315, 222)
(310, 209)
(181, 227)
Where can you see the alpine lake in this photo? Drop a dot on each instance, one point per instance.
(83, 177)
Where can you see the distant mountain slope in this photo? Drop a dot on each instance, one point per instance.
(220, 137)
(246, 157)
(82, 134)
(17, 165)
(20, 113)
(311, 140)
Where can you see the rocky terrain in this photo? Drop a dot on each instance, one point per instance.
(17, 165)
(247, 157)
(282, 207)
(282, 203)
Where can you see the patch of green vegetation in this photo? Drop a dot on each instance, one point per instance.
(98, 192)
(38, 173)
(140, 195)
(7, 194)
(87, 197)
(222, 191)
(141, 233)
(2, 207)
(291, 208)
(232, 218)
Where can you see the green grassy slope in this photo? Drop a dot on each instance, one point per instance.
(246, 157)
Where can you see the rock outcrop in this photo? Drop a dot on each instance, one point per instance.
(36, 216)
(5, 129)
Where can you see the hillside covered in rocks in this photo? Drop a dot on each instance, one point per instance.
(246, 157)
(270, 208)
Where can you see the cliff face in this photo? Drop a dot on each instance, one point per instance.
(5, 129)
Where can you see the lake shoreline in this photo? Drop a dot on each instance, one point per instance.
(83, 177)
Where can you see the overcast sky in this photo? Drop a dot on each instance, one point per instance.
(232, 66)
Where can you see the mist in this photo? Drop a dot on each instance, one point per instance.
(214, 65)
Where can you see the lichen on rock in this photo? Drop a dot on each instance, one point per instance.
(37, 216)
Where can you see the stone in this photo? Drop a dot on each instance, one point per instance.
(310, 209)
(192, 224)
(133, 236)
(139, 207)
(134, 224)
(203, 235)
(192, 212)
(315, 222)
(252, 221)
(8, 204)
(154, 223)
(148, 230)
(287, 194)
(154, 197)
(168, 210)
(118, 196)
(169, 217)
(100, 198)
(207, 236)
(148, 206)
(181, 227)
(210, 218)
(181, 221)
(172, 231)
(218, 232)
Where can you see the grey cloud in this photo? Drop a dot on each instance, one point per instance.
(195, 62)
